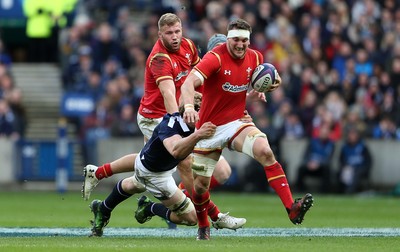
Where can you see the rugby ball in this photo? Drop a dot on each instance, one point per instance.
(263, 77)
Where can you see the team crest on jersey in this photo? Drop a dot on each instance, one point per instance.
(188, 57)
(248, 70)
(234, 88)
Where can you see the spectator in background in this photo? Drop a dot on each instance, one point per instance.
(385, 129)
(105, 46)
(38, 30)
(126, 124)
(95, 86)
(8, 121)
(4, 56)
(362, 64)
(324, 118)
(76, 75)
(6, 84)
(136, 75)
(293, 129)
(317, 161)
(355, 162)
(97, 126)
(390, 107)
(307, 112)
(335, 104)
(353, 120)
(14, 99)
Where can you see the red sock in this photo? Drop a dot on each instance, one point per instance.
(277, 180)
(213, 211)
(213, 183)
(104, 171)
(201, 202)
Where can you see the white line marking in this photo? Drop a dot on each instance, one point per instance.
(189, 232)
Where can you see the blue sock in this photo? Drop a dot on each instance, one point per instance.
(160, 210)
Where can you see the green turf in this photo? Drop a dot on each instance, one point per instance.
(47, 209)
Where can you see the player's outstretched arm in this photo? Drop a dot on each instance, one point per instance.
(187, 97)
(180, 147)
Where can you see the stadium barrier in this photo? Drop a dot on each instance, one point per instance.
(37, 160)
(385, 169)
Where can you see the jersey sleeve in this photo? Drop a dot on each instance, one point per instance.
(161, 68)
(209, 64)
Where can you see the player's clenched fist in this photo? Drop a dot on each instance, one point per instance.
(207, 130)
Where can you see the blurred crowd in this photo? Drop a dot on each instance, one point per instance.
(339, 61)
(13, 120)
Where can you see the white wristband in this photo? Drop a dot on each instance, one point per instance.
(188, 107)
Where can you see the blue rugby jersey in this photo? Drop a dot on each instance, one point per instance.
(154, 155)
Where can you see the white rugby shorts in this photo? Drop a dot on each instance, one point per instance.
(147, 125)
(160, 184)
(222, 136)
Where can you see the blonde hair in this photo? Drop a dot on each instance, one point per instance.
(168, 19)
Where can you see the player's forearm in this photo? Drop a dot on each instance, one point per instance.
(185, 146)
(170, 101)
(167, 90)
(187, 91)
(170, 105)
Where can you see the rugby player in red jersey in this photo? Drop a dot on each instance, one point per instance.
(225, 75)
(168, 64)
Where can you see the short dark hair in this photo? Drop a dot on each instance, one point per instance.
(239, 24)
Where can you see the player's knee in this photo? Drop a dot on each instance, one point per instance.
(222, 172)
(191, 219)
(201, 184)
(132, 186)
(128, 185)
(265, 153)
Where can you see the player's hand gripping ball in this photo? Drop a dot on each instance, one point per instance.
(264, 76)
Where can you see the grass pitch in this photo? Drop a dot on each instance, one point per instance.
(48, 221)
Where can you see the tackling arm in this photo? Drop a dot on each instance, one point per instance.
(180, 147)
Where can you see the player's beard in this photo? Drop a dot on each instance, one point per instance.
(172, 46)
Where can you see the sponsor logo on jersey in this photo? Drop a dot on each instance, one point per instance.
(235, 88)
(181, 74)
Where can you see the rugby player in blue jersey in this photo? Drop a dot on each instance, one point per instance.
(172, 141)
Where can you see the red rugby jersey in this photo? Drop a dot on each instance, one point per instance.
(226, 81)
(161, 65)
